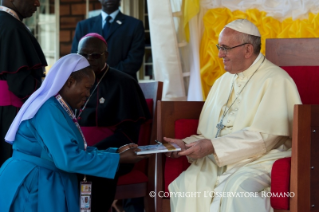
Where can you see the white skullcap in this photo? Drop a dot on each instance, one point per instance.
(244, 26)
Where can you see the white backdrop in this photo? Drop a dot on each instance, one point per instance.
(165, 51)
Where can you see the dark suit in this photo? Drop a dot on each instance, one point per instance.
(125, 41)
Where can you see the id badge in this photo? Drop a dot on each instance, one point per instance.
(85, 196)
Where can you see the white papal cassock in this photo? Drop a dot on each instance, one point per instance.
(258, 129)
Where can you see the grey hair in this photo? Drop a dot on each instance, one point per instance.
(253, 40)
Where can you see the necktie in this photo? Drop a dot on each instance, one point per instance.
(107, 25)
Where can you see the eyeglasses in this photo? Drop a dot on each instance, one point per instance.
(93, 55)
(226, 49)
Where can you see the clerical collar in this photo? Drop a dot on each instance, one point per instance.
(258, 58)
(9, 11)
(249, 71)
(113, 15)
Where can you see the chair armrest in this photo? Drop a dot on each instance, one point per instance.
(167, 114)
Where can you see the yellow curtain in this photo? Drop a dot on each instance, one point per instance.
(211, 67)
(190, 9)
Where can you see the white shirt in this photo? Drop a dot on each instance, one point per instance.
(104, 15)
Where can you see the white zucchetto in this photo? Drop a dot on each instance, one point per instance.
(244, 26)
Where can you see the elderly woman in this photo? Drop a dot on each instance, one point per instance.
(49, 147)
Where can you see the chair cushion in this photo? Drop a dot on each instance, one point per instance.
(174, 167)
(306, 79)
(134, 177)
(185, 128)
(280, 181)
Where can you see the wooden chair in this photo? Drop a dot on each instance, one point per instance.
(140, 181)
(300, 58)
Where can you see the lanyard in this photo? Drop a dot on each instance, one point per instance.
(85, 186)
(9, 11)
(72, 116)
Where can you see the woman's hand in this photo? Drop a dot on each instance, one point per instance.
(129, 155)
(127, 147)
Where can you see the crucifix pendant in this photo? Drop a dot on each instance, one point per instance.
(219, 126)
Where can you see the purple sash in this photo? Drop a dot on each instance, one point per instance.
(7, 97)
(95, 134)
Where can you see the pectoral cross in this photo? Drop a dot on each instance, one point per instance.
(219, 126)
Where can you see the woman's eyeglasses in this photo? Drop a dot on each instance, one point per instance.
(93, 55)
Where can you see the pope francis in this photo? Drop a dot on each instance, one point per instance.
(245, 125)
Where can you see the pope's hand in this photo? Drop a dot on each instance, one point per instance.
(198, 149)
(179, 142)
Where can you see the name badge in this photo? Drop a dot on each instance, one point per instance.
(85, 196)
